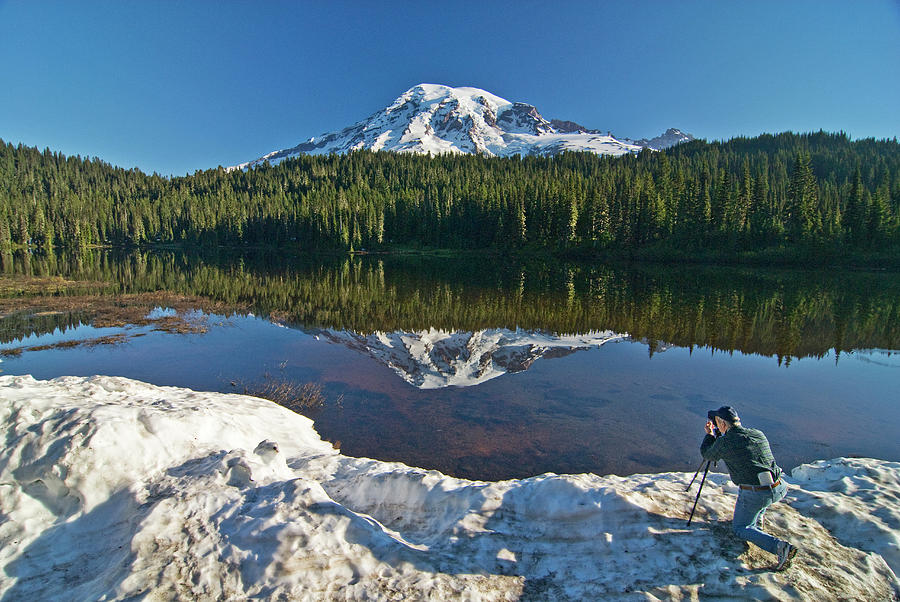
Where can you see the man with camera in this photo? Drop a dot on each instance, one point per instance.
(752, 467)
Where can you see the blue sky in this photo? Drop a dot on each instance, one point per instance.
(174, 87)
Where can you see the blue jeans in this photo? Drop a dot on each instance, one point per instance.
(749, 509)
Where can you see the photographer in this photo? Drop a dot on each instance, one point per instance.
(752, 467)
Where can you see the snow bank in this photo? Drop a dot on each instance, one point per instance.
(111, 488)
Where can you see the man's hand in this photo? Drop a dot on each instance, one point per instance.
(709, 428)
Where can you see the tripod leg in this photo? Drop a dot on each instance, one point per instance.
(703, 480)
(696, 472)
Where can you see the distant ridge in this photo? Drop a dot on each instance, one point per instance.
(434, 119)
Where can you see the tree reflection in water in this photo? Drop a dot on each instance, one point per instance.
(784, 314)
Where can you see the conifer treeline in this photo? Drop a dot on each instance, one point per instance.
(785, 190)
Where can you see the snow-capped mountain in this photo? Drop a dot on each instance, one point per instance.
(670, 137)
(433, 119)
(433, 359)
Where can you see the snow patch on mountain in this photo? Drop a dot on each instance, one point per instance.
(435, 119)
(113, 489)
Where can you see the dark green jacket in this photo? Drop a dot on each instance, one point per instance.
(745, 451)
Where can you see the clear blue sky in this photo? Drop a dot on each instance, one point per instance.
(174, 86)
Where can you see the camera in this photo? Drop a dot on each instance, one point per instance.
(711, 416)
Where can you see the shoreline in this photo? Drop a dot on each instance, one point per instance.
(812, 258)
(214, 495)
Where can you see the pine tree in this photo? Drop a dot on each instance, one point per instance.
(856, 211)
(20, 233)
(804, 220)
(520, 225)
(745, 199)
(5, 235)
(760, 217)
(879, 218)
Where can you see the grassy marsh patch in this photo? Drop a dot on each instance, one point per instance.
(302, 398)
(113, 339)
(20, 285)
(41, 305)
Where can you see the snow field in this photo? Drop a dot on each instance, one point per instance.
(111, 488)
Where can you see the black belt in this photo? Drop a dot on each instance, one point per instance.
(761, 487)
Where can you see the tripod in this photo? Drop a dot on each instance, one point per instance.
(703, 480)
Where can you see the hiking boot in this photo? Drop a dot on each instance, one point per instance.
(786, 553)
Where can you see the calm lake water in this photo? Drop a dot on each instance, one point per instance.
(489, 368)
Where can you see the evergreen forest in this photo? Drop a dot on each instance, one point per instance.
(801, 194)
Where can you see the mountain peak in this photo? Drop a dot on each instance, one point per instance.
(431, 92)
(435, 119)
(671, 137)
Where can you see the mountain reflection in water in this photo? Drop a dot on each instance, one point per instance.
(434, 359)
(807, 356)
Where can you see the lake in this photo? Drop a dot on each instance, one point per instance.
(486, 367)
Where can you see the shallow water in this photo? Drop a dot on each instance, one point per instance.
(764, 342)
